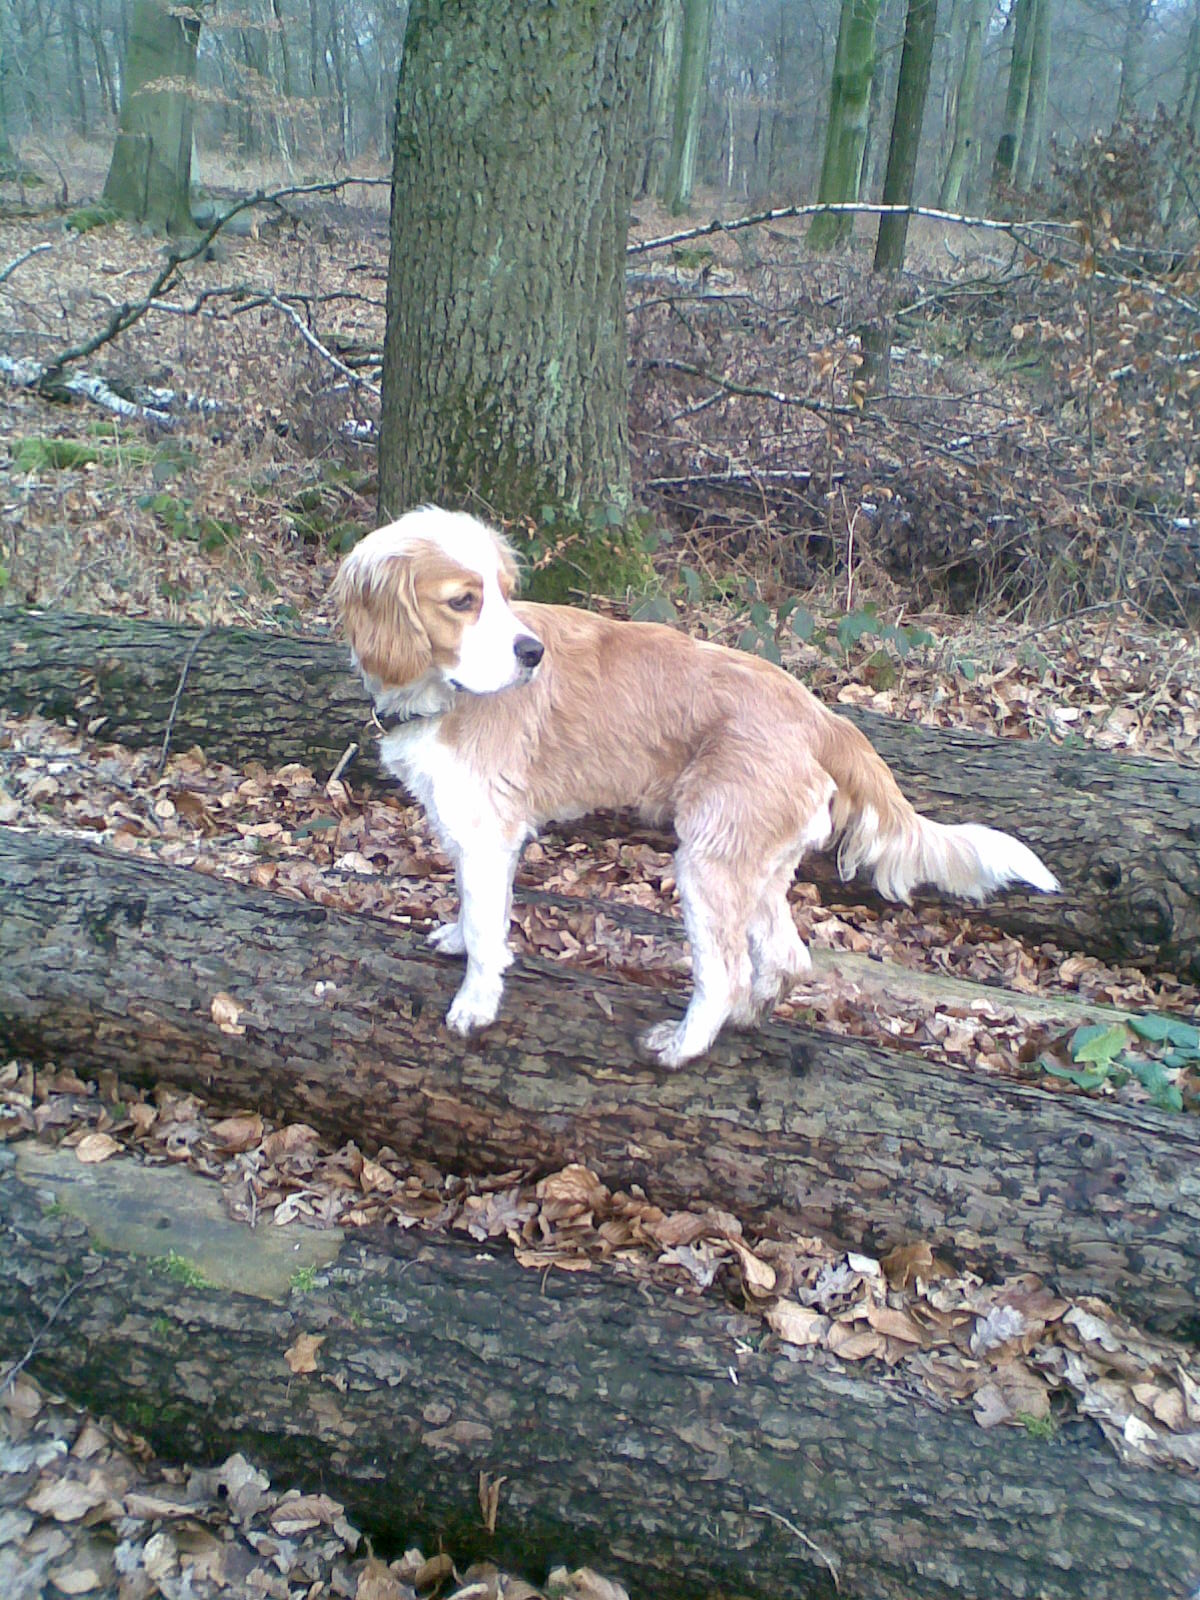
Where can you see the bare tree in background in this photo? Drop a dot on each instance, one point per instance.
(1035, 101)
(964, 144)
(1020, 26)
(150, 173)
(660, 97)
(689, 102)
(504, 378)
(846, 132)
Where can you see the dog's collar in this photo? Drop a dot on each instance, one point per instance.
(390, 721)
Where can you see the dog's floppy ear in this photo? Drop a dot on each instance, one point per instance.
(378, 608)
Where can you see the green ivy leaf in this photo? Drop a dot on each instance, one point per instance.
(1098, 1042)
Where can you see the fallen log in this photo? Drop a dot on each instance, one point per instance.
(336, 1021)
(652, 1434)
(1123, 836)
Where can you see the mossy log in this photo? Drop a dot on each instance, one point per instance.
(109, 962)
(1123, 836)
(654, 1435)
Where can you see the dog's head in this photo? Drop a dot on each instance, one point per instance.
(426, 600)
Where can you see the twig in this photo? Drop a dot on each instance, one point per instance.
(179, 687)
(314, 343)
(765, 1511)
(20, 1365)
(348, 755)
(751, 391)
(19, 261)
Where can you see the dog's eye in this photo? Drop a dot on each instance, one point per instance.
(461, 602)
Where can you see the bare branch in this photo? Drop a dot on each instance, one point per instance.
(778, 213)
(125, 315)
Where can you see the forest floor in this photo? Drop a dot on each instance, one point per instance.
(777, 519)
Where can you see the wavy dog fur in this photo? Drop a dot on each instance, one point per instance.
(509, 715)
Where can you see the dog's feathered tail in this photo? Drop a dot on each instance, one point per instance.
(879, 832)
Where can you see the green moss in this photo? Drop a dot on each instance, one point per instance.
(89, 217)
(304, 1279)
(180, 1270)
(66, 455)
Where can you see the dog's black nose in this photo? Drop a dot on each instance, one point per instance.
(528, 650)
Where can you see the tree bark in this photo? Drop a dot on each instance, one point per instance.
(846, 131)
(964, 147)
(504, 377)
(1035, 104)
(150, 173)
(107, 962)
(1133, 46)
(607, 1411)
(689, 103)
(912, 89)
(1121, 834)
(1017, 95)
(664, 74)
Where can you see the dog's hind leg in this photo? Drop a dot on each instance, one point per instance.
(715, 906)
(778, 955)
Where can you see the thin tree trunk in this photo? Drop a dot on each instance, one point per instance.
(664, 74)
(689, 103)
(149, 177)
(963, 149)
(1133, 46)
(1185, 170)
(111, 963)
(1035, 105)
(846, 131)
(504, 381)
(77, 86)
(912, 89)
(1119, 833)
(1017, 96)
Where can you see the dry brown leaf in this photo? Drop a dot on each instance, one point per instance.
(241, 1132)
(757, 1276)
(299, 1513)
(94, 1147)
(377, 1581)
(302, 1355)
(906, 1262)
(225, 1013)
(64, 1499)
(797, 1324)
(489, 1498)
(894, 1324)
(853, 1344)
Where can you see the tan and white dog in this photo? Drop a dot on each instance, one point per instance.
(503, 716)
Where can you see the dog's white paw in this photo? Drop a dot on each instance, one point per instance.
(474, 1007)
(664, 1043)
(448, 938)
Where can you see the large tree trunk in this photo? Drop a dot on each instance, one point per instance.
(1017, 95)
(150, 173)
(689, 103)
(1119, 833)
(106, 962)
(655, 1435)
(963, 147)
(504, 377)
(846, 131)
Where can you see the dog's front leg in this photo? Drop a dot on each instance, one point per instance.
(485, 876)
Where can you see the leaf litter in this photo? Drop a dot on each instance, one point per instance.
(86, 1508)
